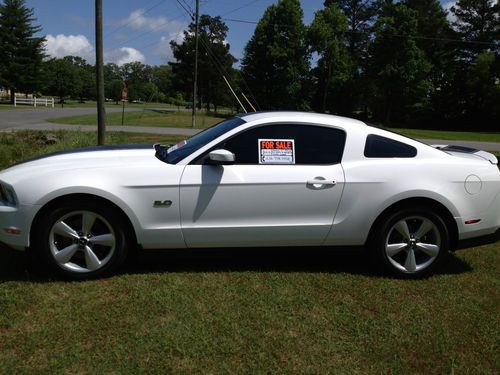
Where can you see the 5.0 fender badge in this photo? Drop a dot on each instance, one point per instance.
(166, 203)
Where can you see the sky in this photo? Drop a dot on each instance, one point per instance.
(142, 30)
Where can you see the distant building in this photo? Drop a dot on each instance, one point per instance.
(4, 92)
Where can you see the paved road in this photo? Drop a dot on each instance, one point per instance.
(22, 119)
(34, 118)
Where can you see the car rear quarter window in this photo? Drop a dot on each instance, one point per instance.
(381, 147)
(314, 145)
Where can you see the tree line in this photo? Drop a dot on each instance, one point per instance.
(398, 63)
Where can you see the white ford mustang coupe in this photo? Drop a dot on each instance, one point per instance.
(258, 180)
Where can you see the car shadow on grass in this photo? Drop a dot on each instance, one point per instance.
(19, 266)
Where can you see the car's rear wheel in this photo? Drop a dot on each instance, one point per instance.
(412, 242)
(83, 241)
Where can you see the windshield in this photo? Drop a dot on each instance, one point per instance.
(178, 152)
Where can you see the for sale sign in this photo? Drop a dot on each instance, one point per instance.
(276, 151)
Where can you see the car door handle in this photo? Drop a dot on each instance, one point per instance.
(321, 182)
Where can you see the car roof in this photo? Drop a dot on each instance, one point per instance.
(302, 117)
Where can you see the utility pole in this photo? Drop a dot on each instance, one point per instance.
(101, 114)
(195, 85)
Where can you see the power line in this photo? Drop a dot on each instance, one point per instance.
(241, 7)
(240, 21)
(134, 18)
(157, 28)
(218, 64)
(187, 11)
(222, 70)
(149, 45)
(365, 33)
(219, 67)
(188, 6)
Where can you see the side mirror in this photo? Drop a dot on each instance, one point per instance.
(220, 157)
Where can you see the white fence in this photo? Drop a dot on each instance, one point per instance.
(34, 101)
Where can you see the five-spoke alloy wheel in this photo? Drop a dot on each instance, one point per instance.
(83, 240)
(412, 241)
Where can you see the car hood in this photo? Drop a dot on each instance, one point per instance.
(77, 159)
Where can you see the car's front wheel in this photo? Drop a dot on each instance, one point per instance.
(83, 241)
(412, 242)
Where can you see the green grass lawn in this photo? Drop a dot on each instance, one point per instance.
(288, 311)
(451, 135)
(252, 311)
(8, 106)
(180, 119)
(16, 146)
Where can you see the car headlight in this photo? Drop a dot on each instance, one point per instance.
(7, 195)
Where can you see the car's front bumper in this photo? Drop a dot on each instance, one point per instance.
(14, 227)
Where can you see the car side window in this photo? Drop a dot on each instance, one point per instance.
(313, 145)
(382, 147)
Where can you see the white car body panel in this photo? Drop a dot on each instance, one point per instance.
(259, 205)
(228, 206)
(131, 179)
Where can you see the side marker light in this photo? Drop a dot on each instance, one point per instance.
(12, 230)
(473, 221)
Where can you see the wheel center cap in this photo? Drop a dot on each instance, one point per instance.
(412, 242)
(82, 241)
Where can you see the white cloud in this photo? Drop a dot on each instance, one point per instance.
(447, 7)
(163, 48)
(171, 30)
(139, 21)
(80, 21)
(124, 55)
(63, 45)
(78, 45)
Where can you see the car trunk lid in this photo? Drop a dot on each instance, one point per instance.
(468, 152)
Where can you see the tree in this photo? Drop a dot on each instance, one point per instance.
(113, 82)
(136, 72)
(398, 67)
(85, 86)
(112, 72)
(214, 61)
(478, 21)
(62, 78)
(113, 89)
(326, 37)
(275, 62)
(137, 77)
(21, 53)
(477, 73)
(163, 79)
(483, 84)
(360, 16)
(433, 28)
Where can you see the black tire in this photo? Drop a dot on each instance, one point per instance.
(428, 249)
(95, 254)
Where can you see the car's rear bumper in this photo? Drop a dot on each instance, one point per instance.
(479, 241)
